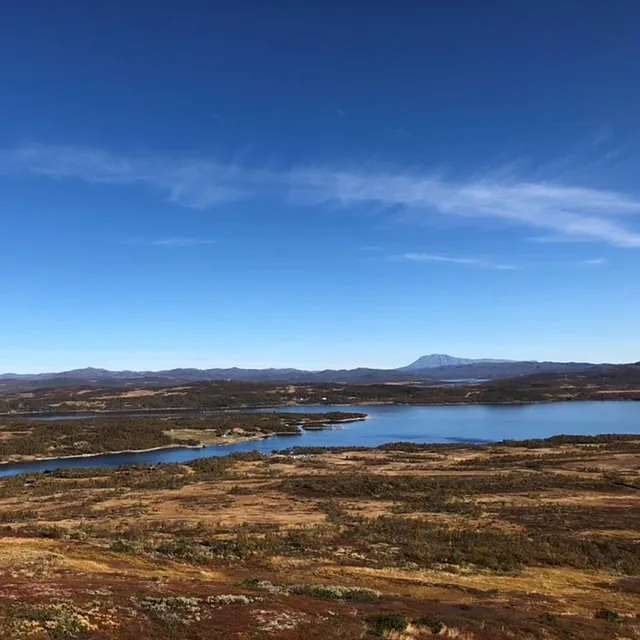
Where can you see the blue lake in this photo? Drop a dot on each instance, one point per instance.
(395, 423)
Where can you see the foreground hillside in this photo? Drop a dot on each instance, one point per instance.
(534, 540)
(621, 382)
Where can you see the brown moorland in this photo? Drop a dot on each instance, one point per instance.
(519, 540)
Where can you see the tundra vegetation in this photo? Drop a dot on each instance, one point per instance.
(535, 540)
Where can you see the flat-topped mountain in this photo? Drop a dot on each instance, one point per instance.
(498, 369)
(436, 360)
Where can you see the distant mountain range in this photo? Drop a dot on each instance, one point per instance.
(429, 369)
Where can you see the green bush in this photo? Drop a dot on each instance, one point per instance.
(381, 623)
(325, 591)
(435, 626)
(607, 614)
(338, 592)
(58, 621)
(51, 531)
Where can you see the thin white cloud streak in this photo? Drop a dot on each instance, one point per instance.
(596, 262)
(176, 243)
(469, 262)
(573, 212)
(602, 135)
(565, 211)
(192, 183)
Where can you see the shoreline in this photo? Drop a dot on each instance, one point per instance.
(223, 443)
(172, 412)
(177, 411)
(79, 456)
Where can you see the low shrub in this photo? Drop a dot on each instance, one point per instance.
(607, 614)
(337, 592)
(173, 609)
(230, 598)
(265, 585)
(50, 531)
(326, 591)
(381, 623)
(57, 621)
(548, 619)
(435, 626)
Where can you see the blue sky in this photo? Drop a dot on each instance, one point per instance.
(318, 184)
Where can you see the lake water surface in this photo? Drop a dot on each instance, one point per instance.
(395, 423)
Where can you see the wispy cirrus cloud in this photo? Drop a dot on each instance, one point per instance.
(603, 134)
(399, 133)
(191, 183)
(175, 242)
(560, 211)
(596, 262)
(572, 212)
(453, 260)
(178, 242)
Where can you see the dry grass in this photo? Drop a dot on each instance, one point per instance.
(144, 393)
(211, 436)
(243, 516)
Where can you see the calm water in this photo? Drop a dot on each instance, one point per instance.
(470, 423)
